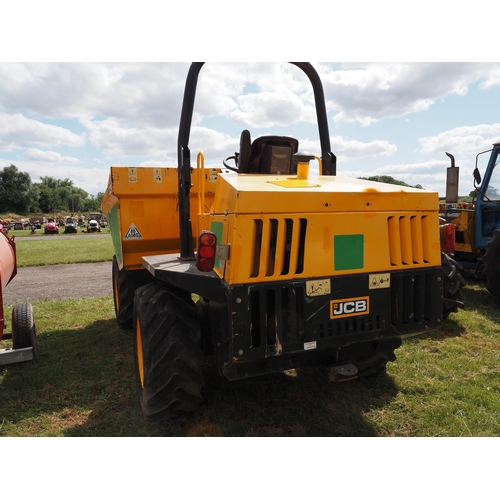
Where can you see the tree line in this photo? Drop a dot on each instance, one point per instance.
(19, 195)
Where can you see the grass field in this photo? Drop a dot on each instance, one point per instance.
(59, 249)
(83, 384)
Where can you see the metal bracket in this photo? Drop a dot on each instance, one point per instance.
(10, 356)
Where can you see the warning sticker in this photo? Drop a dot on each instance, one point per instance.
(133, 233)
(315, 288)
(382, 280)
(310, 345)
(157, 178)
(132, 174)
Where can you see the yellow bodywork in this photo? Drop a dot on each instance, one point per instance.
(464, 223)
(142, 208)
(276, 228)
(253, 212)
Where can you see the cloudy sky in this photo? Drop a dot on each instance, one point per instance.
(76, 119)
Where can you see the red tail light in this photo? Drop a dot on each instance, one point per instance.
(205, 258)
(449, 238)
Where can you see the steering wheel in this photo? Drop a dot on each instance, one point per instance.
(235, 158)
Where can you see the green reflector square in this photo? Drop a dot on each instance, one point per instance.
(217, 228)
(348, 250)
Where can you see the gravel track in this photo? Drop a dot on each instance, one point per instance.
(61, 281)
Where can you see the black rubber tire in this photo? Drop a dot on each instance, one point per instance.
(491, 261)
(453, 282)
(122, 299)
(23, 327)
(168, 354)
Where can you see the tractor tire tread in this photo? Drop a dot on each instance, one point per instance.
(172, 355)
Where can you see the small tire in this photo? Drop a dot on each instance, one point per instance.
(168, 354)
(23, 327)
(491, 261)
(122, 300)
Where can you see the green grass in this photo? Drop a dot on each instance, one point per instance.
(61, 250)
(83, 384)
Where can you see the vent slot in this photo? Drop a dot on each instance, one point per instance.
(257, 243)
(277, 317)
(302, 246)
(288, 246)
(278, 247)
(409, 240)
(410, 302)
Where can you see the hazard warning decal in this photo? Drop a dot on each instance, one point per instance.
(133, 233)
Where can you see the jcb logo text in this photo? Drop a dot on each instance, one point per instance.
(343, 308)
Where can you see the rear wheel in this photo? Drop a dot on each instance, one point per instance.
(452, 286)
(168, 355)
(23, 327)
(491, 261)
(123, 302)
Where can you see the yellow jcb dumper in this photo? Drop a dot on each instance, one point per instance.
(290, 268)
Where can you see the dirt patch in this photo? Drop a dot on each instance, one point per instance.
(62, 281)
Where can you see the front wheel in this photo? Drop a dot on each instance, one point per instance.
(121, 297)
(168, 355)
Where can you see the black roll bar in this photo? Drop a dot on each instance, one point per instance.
(184, 156)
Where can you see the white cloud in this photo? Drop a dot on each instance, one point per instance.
(132, 110)
(366, 93)
(115, 140)
(462, 141)
(145, 93)
(50, 157)
(430, 174)
(268, 109)
(348, 149)
(19, 132)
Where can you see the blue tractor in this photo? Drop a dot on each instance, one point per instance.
(477, 223)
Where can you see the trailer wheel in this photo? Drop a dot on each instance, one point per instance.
(453, 282)
(23, 327)
(168, 355)
(121, 297)
(491, 261)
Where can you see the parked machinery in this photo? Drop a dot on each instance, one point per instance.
(290, 269)
(477, 223)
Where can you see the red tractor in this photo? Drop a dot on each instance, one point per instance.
(51, 227)
(23, 323)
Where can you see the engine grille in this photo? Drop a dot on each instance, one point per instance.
(408, 240)
(279, 247)
(279, 322)
(282, 319)
(415, 298)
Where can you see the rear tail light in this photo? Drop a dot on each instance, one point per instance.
(448, 238)
(205, 258)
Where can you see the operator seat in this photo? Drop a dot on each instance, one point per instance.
(269, 154)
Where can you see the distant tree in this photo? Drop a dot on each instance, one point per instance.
(15, 191)
(389, 180)
(34, 196)
(19, 195)
(61, 195)
(93, 203)
(47, 200)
